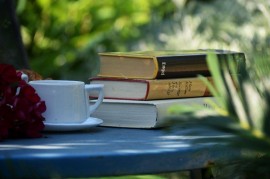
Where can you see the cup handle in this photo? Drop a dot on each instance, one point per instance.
(25, 77)
(95, 87)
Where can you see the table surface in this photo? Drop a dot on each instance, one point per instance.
(101, 151)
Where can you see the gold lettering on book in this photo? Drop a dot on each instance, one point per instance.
(172, 87)
(178, 92)
(188, 86)
(176, 88)
(179, 88)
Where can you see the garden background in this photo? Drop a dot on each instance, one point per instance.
(63, 38)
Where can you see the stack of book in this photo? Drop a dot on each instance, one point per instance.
(140, 86)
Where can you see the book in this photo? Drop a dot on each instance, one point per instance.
(143, 89)
(160, 64)
(141, 114)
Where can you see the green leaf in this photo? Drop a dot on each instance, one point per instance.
(214, 67)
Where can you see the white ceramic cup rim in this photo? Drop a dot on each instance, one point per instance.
(56, 82)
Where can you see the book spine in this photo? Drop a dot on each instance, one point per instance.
(189, 66)
(177, 88)
(181, 66)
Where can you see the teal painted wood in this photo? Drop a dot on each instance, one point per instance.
(103, 151)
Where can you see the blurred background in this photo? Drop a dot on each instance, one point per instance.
(63, 38)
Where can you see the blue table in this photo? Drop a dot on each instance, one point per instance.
(101, 151)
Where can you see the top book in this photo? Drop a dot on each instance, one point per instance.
(160, 64)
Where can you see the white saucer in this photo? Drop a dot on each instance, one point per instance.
(90, 122)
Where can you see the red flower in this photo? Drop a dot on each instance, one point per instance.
(8, 74)
(20, 106)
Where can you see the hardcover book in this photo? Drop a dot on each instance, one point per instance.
(143, 89)
(141, 114)
(160, 64)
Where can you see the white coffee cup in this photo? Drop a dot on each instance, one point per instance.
(67, 101)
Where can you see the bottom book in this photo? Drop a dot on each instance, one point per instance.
(140, 114)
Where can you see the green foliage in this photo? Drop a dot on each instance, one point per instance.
(242, 108)
(241, 25)
(63, 37)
